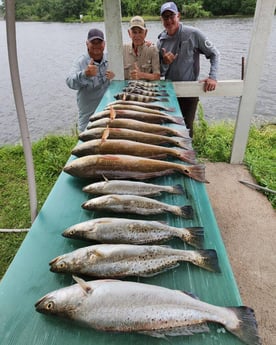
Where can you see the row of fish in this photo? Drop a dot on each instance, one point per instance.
(121, 144)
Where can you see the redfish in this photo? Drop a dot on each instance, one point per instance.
(129, 167)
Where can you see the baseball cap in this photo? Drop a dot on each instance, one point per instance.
(95, 34)
(169, 6)
(137, 21)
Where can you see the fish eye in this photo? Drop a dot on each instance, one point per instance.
(50, 305)
(72, 232)
(62, 264)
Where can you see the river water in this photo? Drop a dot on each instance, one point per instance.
(46, 52)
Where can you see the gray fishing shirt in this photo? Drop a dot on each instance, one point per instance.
(90, 89)
(188, 43)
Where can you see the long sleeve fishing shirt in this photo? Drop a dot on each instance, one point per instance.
(188, 43)
(90, 89)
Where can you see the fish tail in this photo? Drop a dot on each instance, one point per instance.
(187, 156)
(178, 189)
(164, 99)
(186, 212)
(182, 142)
(177, 119)
(197, 172)
(208, 259)
(247, 329)
(195, 237)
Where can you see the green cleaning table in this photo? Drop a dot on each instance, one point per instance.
(28, 277)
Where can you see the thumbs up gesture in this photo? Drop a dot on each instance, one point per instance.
(91, 69)
(135, 72)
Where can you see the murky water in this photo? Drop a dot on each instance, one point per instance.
(46, 52)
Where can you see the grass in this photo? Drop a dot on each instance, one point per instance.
(211, 141)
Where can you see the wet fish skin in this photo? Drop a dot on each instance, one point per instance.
(140, 98)
(131, 187)
(136, 205)
(142, 104)
(133, 231)
(134, 135)
(122, 260)
(138, 126)
(148, 309)
(140, 116)
(129, 167)
(129, 147)
(152, 93)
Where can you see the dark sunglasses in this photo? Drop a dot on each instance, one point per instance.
(169, 16)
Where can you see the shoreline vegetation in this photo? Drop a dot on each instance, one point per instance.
(212, 142)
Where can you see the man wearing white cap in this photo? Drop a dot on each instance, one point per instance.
(141, 60)
(180, 47)
(90, 76)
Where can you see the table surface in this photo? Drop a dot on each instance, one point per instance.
(28, 277)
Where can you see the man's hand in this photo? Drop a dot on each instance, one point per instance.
(109, 75)
(209, 84)
(168, 57)
(91, 69)
(135, 72)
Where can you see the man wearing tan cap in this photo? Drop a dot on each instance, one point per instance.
(141, 60)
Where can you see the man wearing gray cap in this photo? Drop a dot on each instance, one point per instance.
(90, 76)
(141, 59)
(180, 47)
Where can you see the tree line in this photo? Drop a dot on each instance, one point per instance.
(70, 10)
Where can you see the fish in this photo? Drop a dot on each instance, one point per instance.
(133, 231)
(131, 187)
(136, 205)
(142, 104)
(139, 91)
(129, 167)
(142, 109)
(138, 115)
(141, 86)
(135, 125)
(145, 84)
(123, 260)
(130, 134)
(140, 98)
(144, 308)
(128, 147)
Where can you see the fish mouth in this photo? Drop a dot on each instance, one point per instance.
(39, 305)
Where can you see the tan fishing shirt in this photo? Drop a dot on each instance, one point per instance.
(146, 57)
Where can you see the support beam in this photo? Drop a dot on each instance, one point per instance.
(229, 88)
(263, 20)
(114, 40)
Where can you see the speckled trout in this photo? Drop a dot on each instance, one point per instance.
(129, 147)
(129, 167)
(141, 104)
(122, 260)
(138, 126)
(133, 231)
(149, 309)
(131, 187)
(135, 204)
(134, 135)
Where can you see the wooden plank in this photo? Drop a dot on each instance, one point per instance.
(263, 20)
(229, 88)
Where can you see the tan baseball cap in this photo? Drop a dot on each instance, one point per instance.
(138, 22)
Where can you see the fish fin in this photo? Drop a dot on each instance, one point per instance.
(178, 120)
(82, 283)
(105, 134)
(187, 156)
(105, 178)
(178, 189)
(112, 113)
(247, 329)
(195, 237)
(207, 259)
(182, 330)
(170, 109)
(197, 172)
(187, 211)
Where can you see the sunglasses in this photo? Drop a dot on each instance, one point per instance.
(169, 16)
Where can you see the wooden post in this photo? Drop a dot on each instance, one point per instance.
(114, 40)
(264, 14)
